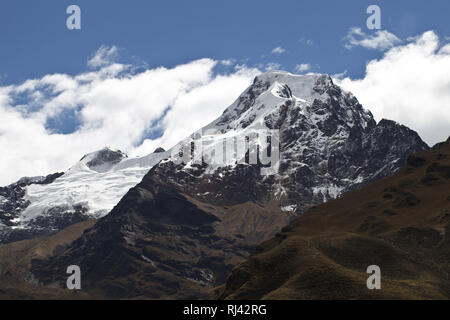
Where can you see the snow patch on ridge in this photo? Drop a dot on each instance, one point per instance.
(289, 208)
(328, 192)
(98, 188)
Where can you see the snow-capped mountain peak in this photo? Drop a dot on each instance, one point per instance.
(312, 94)
(328, 144)
(90, 188)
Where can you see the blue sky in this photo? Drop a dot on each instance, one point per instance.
(145, 74)
(35, 40)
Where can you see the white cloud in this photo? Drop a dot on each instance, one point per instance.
(339, 76)
(228, 62)
(278, 50)
(411, 85)
(380, 40)
(103, 57)
(270, 66)
(199, 107)
(302, 67)
(113, 107)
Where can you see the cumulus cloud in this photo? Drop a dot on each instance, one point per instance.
(110, 106)
(411, 85)
(206, 102)
(278, 50)
(380, 40)
(302, 67)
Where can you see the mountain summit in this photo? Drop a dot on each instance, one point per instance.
(328, 143)
(103, 160)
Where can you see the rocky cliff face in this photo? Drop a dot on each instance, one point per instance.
(13, 202)
(328, 144)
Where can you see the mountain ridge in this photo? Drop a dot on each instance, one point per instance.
(150, 246)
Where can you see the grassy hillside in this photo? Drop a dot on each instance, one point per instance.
(401, 224)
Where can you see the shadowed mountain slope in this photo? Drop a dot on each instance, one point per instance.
(401, 224)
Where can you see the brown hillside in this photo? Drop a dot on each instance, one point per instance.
(401, 224)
